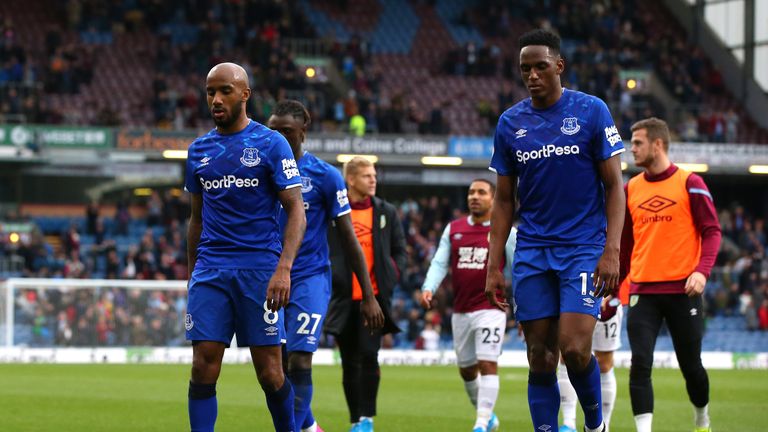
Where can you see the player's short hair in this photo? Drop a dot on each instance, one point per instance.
(488, 182)
(352, 166)
(292, 108)
(655, 128)
(543, 37)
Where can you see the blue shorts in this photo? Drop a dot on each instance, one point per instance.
(223, 302)
(306, 311)
(551, 280)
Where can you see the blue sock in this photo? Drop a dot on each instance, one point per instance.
(587, 386)
(543, 400)
(301, 379)
(280, 404)
(202, 407)
(309, 420)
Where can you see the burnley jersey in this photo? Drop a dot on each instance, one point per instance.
(325, 198)
(554, 153)
(464, 246)
(239, 176)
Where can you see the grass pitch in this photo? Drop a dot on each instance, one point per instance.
(62, 398)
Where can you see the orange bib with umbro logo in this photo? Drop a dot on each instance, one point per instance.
(667, 245)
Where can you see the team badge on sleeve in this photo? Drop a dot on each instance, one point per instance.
(342, 198)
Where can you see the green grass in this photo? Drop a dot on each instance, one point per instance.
(61, 398)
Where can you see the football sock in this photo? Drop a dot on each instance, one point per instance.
(202, 407)
(568, 397)
(643, 422)
(309, 420)
(587, 386)
(701, 416)
(310, 428)
(471, 388)
(487, 393)
(370, 376)
(608, 387)
(301, 379)
(543, 400)
(280, 404)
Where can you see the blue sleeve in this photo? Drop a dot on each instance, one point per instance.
(335, 193)
(191, 184)
(285, 172)
(438, 268)
(607, 141)
(509, 250)
(500, 162)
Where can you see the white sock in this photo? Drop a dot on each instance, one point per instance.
(643, 422)
(568, 397)
(701, 416)
(487, 393)
(312, 428)
(471, 388)
(366, 418)
(608, 387)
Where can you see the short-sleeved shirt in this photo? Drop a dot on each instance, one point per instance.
(325, 198)
(554, 153)
(239, 176)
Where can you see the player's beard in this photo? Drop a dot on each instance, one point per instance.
(228, 121)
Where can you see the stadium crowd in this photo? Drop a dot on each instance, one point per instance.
(152, 247)
(256, 34)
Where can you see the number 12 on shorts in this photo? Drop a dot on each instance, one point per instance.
(584, 279)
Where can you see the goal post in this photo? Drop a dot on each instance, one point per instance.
(16, 292)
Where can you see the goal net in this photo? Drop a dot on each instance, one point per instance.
(92, 313)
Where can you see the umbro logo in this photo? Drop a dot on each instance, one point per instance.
(205, 160)
(588, 302)
(694, 311)
(656, 204)
(457, 236)
(271, 331)
(544, 428)
(520, 133)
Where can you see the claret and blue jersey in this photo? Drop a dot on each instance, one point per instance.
(239, 176)
(554, 153)
(325, 198)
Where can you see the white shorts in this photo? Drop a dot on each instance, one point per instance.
(478, 335)
(607, 335)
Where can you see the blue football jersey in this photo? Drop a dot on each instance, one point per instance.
(239, 176)
(325, 198)
(554, 153)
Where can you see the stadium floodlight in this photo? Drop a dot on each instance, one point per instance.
(344, 158)
(694, 167)
(758, 169)
(175, 154)
(442, 160)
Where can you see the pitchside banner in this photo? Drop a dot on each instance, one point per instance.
(661, 359)
(56, 136)
(723, 156)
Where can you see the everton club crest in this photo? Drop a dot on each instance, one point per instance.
(570, 126)
(306, 184)
(250, 157)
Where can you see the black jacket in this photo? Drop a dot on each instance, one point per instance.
(390, 260)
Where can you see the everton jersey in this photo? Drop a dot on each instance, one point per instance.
(239, 176)
(554, 153)
(325, 198)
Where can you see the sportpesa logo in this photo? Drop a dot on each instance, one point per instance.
(545, 152)
(229, 181)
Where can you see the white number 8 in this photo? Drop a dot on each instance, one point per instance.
(269, 316)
